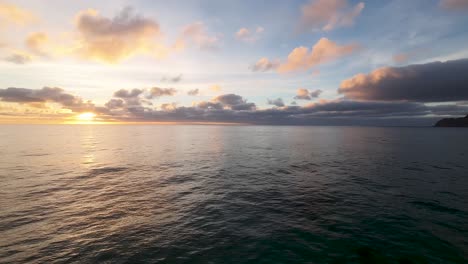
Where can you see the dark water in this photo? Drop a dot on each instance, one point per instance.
(243, 194)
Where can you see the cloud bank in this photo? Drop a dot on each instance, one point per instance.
(37, 98)
(431, 82)
(410, 95)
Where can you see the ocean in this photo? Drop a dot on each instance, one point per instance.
(232, 194)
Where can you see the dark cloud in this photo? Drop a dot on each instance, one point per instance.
(460, 109)
(234, 102)
(210, 105)
(276, 102)
(169, 106)
(18, 58)
(315, 94)
(128, 98)
(338, 112)
(122, 93)
(44, 95)
(115, 104)
(431, 82)
(230, 99)
(173, 79)
(193, 92)
(136, 100)
(132, 105)
(156, 92)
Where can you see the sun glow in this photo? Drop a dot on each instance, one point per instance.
(86, 117)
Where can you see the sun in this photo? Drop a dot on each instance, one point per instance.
(86, 117)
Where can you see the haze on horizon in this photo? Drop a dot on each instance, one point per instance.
(308, 62)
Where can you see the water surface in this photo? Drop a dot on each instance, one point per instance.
(232, 194)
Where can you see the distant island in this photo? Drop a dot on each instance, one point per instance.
(453, 122)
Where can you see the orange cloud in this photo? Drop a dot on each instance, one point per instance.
(264, 64)
(400, 58)
(329, 14)
(12, 14)
(196, 33)
(304, 94)
(454, 4)
(215, 88)
(323, 51)
(35, 42)
(113, 39)
(250, 36)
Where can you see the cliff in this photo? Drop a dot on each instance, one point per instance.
(453, 122)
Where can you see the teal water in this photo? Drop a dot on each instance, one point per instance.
(232, 194)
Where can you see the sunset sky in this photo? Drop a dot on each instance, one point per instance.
(326, 62)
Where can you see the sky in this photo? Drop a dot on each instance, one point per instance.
(308, 62)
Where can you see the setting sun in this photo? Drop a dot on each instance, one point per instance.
(88, 117)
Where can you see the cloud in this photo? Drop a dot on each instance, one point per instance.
(249, 35)
(12, 14)
(329, 14)
(231, 108)
(322, 52)
(168, 107)
(197, 34)
(209, 105)
(129, 98)
(304, 94)
(32, 97)
(156, 92)
(431, 82)
(401, 57)
(242, 33)
(455, 5)
(173, 79)
(115, 104)
(234, 102)
(276, 102)
(215, 88)
(264, 64)
(122, 93)
(137, 99)
(36, 41)
(193, 92)
(19, 58)
(113, 39)
(235, 108)
(316, 93)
